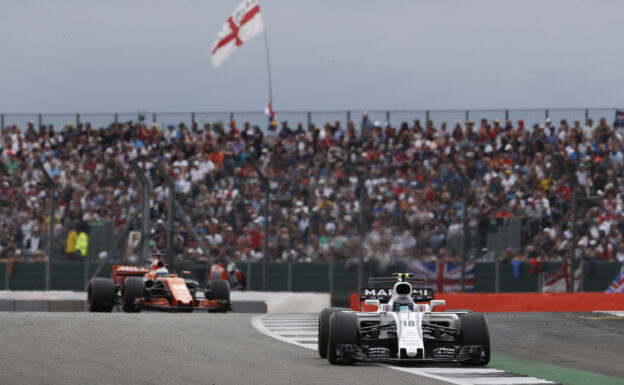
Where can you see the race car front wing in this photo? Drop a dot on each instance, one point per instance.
(222, 306)
(382, 354)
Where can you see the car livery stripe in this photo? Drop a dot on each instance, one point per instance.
(280, 327)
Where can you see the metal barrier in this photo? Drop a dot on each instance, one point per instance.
(394, 117)
(336, 277)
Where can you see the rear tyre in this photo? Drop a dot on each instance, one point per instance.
(101, 295)
(343, 329)
(132, 289)
(218, 289)
(473, 330)
(323, 328)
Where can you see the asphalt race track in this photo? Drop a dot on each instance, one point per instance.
(587, 341)
(156, 348)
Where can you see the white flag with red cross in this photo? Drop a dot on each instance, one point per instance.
(245, 23)
(268, 110)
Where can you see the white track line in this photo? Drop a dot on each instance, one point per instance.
(301, 330)
(257, 322)
(463, 371)
(612, 312)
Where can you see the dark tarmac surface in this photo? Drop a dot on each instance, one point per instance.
(592, 342)
(155, 348)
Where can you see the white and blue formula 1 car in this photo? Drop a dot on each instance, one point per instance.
(403, 329)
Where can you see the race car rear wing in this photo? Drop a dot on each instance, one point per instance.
(130, 270)
(419, 294)
(122, 271)
(398, 277)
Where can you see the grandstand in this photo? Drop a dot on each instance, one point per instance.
(519, 198)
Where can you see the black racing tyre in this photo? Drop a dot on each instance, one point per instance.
(473, 330)
(218, 289)
(343, 329)
(132, 289)
(101, 295)
(323, 328)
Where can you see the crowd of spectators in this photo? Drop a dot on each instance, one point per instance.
(413, 191)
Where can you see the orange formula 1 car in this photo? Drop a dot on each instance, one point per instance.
(153, 288)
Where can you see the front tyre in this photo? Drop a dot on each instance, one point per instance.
(218, 289)
(343, 330)
(101, 295)
(132, 289)
(323, 328)
(473, 330)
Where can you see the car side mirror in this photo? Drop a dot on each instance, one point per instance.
(372, 302)
(186, 272)
(437, 302)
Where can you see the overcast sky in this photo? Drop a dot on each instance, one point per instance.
(154, 55)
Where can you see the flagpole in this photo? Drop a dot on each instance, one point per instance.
(266, 46)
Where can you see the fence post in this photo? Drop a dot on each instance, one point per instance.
(86, 269)
(331, 276)
(1, 121)
(586, 115)
(547, 113)
(362, 229)
(348, 116)
(387, 117)
(267, 196)
(50, 234)
(582, 282)
(496, 275)
(170, 214)
(249, 275)
(145, 209)
(289, 277)
(6, 276)
(40, 121)
(231, 116)
(309, 119)
(192, 118)
(50, 247)
(574, 230)
(116, 118)
(265, 260)
(467, 115)
(426, 118)
(506, 116)
(77, 120)
(466, 230)
(154, 117)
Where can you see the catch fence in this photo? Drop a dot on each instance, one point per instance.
(394, 117)
(340, 278)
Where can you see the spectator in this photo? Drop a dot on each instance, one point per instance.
(413, 192)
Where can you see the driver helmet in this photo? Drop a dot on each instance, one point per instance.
(162, 271)
(403, 304)
(231, 268)
(402, 298)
